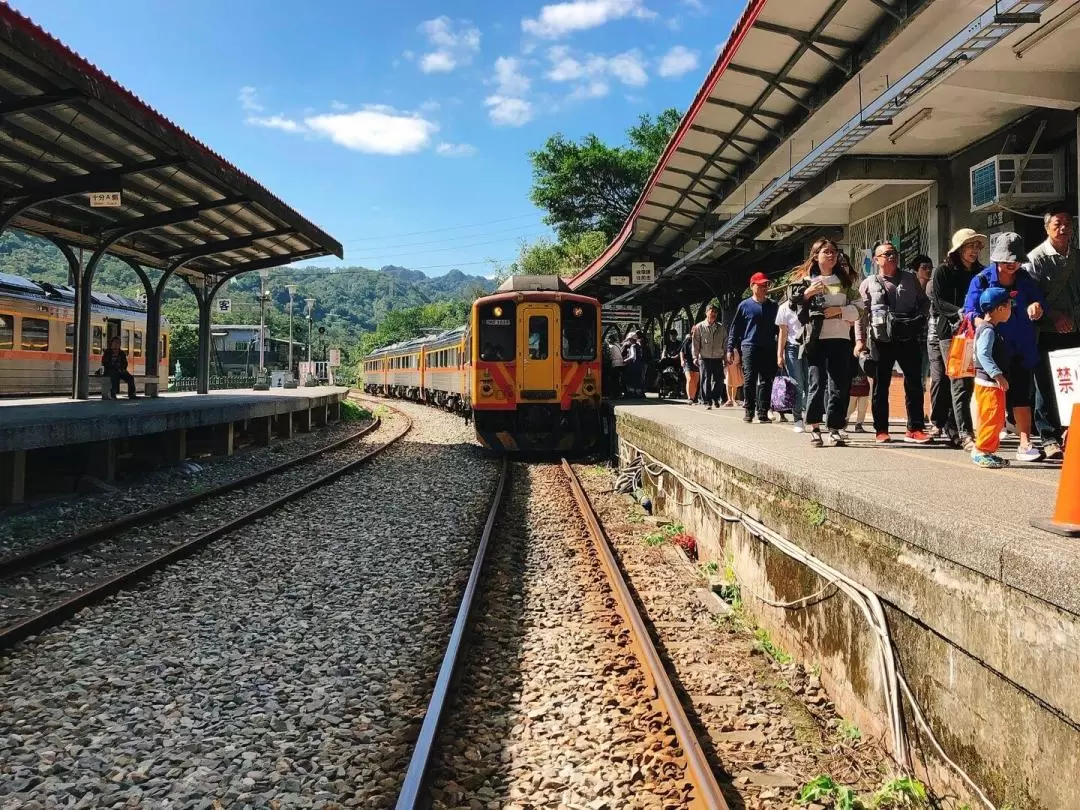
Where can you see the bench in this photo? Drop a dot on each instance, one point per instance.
(149, 386)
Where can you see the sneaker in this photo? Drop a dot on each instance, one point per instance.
(988, 461)
(882, 438)
(708, 407)
(748, 418)
(780, 417)
(1029, 454)
(916, 437)
(837, 438)
(843, 434)
(799, 426)
(967, 443)
(815, 438)
(1052, 451)
(764, 420)
(858, 428)
(934, 432)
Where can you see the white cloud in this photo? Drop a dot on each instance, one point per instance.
(559, 19)
(507, 105)
(338, 106)
(510, 112)
(276, 122)
(593, 89)
(376, 129)
(696, 5)
(249, 99)
(455, 150)
(677, 61)
(628, 68)
(454, 44)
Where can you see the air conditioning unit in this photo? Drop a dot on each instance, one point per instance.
(1017, 181)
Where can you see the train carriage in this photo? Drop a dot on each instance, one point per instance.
(37, 336)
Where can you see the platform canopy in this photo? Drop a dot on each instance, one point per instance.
(797, 87)
(71, 138)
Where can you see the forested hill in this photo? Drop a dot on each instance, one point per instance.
(348, 300)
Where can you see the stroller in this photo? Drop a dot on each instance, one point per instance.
(671, 382)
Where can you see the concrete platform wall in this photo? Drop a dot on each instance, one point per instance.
(993, 668)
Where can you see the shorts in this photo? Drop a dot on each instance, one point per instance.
(1019, 377)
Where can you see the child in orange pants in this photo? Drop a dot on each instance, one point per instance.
(992, 355)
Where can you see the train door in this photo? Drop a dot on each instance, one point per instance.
(536, 371)
(112, 329)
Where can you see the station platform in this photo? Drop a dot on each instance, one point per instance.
(162, 425)
(982, 609)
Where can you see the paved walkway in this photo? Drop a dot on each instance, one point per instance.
(929, 495)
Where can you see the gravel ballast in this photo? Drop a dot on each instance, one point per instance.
(285, 666)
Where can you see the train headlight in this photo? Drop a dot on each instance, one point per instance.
(497, 312)
(589, 389)
(578, 311)
(485, 389)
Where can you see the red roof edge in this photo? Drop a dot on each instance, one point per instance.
(21, 22)
(738, 34)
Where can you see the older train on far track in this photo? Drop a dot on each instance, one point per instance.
(526, 369)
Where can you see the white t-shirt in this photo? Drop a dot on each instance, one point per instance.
(785, 316)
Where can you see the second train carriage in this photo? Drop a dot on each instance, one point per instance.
(37, 336)
(526, 369)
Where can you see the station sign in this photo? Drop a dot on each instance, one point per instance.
(335, 357)
(224, 305)
(643, 272)
(1065, 368)
(617, 313)
(620, 281)
(105, 199)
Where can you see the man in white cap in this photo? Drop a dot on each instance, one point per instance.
(947, 289)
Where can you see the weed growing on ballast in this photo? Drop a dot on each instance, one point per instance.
(849, 731)
(774, 652)
(900, 793)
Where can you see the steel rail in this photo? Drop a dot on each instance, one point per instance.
(12, 634)
(707, 792)
(20, 562)
(410, 796)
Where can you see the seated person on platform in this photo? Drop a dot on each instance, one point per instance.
(114, 363)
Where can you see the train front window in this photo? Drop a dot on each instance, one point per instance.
(35, 335)
(538, 337)
(7, 332)
(578, 331)
(496, 332)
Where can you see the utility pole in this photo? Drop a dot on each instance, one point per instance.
(290, 381)
(310, 314)
(261, 383)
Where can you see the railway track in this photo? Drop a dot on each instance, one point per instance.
(44, 586)
(562, 697)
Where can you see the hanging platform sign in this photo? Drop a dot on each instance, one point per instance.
(643, 272)
(224, 305)
(620, 281)
(617, 313)
(105, 199)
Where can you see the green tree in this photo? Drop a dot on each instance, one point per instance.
(547, 258)
(590, 186)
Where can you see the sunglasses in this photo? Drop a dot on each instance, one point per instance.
(888, 254)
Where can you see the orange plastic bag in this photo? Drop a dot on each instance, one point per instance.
(961, 362)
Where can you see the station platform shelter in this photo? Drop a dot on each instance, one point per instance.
(46, 441)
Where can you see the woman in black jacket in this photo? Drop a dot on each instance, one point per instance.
(947, 289)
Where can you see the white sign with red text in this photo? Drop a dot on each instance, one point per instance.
(1065, 368)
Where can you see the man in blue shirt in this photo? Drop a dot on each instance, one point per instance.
(1018, 332)
(753, 331)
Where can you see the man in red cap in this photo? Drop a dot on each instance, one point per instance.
(753, 332)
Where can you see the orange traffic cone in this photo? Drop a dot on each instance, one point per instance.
(1066, 519)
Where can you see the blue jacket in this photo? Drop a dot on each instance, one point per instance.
(753, 324)
(1018, 332)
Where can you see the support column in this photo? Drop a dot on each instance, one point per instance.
(12, 477)
(202, 368)
(334, 413)
(173, 446)
(284, 425)
(99, 460)
(262, 428)
(153, 338)
(223, 441)
(318, 414)
(303, 420)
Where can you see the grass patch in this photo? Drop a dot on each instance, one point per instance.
(901, 793)
(351, 412)
(774, 652)
(849, 731)
(663, 534)
(816, 514)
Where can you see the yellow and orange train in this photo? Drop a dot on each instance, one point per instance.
(526, 369)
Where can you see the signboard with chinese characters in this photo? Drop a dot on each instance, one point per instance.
(620, 281)
(910, 246)
(224, 305)
(643, 272)
(335, 357)
(617, 313)
(105, 199)
(1065, 368)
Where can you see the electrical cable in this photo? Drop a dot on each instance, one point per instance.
(634, 469)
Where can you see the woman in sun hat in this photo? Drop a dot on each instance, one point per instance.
(950, 400)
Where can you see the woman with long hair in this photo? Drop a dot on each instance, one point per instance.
(824, 298)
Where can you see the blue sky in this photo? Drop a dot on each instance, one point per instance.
(401, 128)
